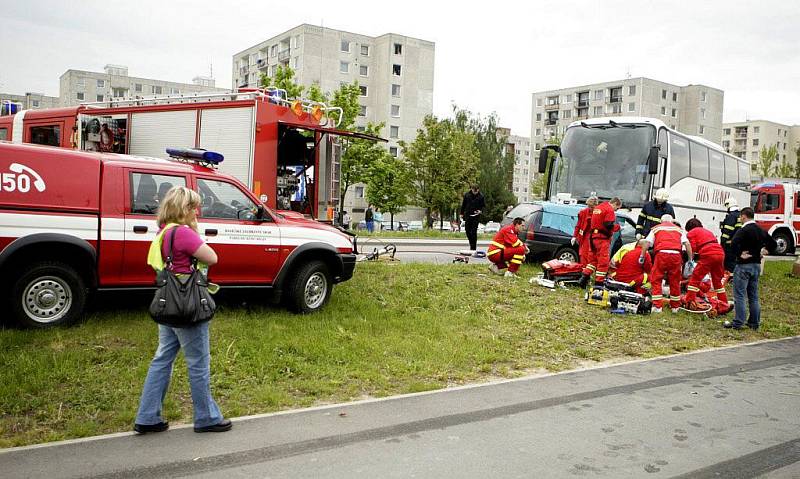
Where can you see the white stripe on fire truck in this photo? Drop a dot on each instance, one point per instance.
(17, 225)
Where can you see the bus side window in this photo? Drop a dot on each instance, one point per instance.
(731, 171)
(699, 163)
(678, 158)
(716, 167)
(744, 174)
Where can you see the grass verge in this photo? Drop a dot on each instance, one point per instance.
(426, 234)
(394, 328)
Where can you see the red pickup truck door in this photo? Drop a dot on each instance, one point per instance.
(248, 248)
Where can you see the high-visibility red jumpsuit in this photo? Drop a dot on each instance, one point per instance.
(603, 225)
(711, 261)
(583, 234)
(667, 240)
(506, 250)
(629, 270)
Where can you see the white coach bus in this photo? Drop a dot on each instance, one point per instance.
(632, 157)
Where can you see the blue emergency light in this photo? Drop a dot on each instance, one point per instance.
(196, 154)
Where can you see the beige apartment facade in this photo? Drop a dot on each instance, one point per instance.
(691, 109)
(524, 173)
(394, 72)
(746, 138)
(80, 86)
(30, 101)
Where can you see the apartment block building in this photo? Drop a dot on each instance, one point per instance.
(746, 138)
(691, 109)
(524, 172)
(394, 72)
(30, 101)
(78, 86)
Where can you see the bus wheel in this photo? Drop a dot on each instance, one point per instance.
(784, 243)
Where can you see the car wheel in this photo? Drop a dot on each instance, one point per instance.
(48, 294)
(566, 254)
(310, 288)
(783, 241)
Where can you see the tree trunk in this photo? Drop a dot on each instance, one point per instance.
(391, 220)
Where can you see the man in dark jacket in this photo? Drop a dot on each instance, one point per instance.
(652, 212)
(747, 246)
(471, 209)
(729, 227)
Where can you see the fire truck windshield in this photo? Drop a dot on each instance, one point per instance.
(607, 160)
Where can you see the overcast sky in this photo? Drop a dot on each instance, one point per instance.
(490, 56)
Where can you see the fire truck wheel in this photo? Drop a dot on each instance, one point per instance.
(310, 288)
(784, 243)
(48, 294)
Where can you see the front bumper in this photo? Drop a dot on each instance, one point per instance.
(348, 267)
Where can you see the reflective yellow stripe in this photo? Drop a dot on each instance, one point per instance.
(721, 290)
(724, 235)
(644, 279)
(653, 218)
(693, 288)
(728, 227)
(675, 298)
(494, 251)
(591, 267)
(516, 261)
(657, 296)
(639, 227)
(498, 245)
(519, 256)
(517, 243)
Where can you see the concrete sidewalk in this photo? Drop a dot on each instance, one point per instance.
(730, 412)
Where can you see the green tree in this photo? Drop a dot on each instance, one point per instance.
(315, 93)
(389, 185)
(442, 161)
(284, 79)
(495, 166)
(357, 158)
(346, 98)
(797, 162)
(766, 161)
(784, 170)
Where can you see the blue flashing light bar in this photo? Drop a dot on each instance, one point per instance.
(196, 154)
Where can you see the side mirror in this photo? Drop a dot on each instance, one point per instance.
(543, 156)
(652, 159)
(260, 212)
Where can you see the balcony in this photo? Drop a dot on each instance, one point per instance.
(581, 117)
(615, 99)
(549, 121)
(741, 135)
(284, 55)
(551, 106)
(583, 103)
(261, 63)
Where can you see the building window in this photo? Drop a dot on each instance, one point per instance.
(753, 155)
(396, 69)
(598, 94)
(398, 49)
(568, 98)
(273, 51)
(701, 129)
(363, 89)
(359, 192)
(538, 102)
(81, 83)
(674, 113)
(394, 131)
(99, 97)
(35, 104)
(726, 144)
(598, 111)
(703, 113)
(137, 87)
(615, 108)
(395, 89)
(393, 151)
(344, 67)
(631, 90)
(756, 129)
(79, 95)
(101, 83)
(157, 90)
(566, 113)
(537, 146)
(295, 62)
(345, 46)
(703, 96)
(365, 50)
(784, 145)
(631, 106)
(674, 96)
(395, 110)
(362, 110)
(727, 131)
(755, 141)
(663, 110)
(363, 70)
(663, 94)
(538, 132)
(538, 117)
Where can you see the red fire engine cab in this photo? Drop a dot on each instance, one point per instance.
(283, 149)
(777, 209)
(73, 222)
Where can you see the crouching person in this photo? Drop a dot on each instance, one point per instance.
(711, 261)
(506, 251)
(667, 239)
(632, 266)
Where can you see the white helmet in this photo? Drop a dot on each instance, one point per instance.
(730, 202)
(662, 195)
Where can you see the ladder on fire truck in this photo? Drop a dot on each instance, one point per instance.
(277, 96)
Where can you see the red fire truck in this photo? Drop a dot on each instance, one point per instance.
(73, 222)
(777, 208)
(284, 149)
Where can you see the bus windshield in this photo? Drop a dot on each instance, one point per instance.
(607, 161)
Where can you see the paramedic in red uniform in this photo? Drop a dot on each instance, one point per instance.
(629, 267)
(667, 238)
(582, 234)
(711, 260)
(506, 250)
(603, 225)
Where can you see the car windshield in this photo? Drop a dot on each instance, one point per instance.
(522, 210)
(605, 160)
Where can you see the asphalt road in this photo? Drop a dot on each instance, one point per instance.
(730, 413)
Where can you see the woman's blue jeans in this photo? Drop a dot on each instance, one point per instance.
(195, 344)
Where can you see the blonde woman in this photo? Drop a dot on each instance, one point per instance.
(179, 207)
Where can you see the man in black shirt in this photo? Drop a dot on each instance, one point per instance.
(747, 246)
(729, 227)
(471, 209)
